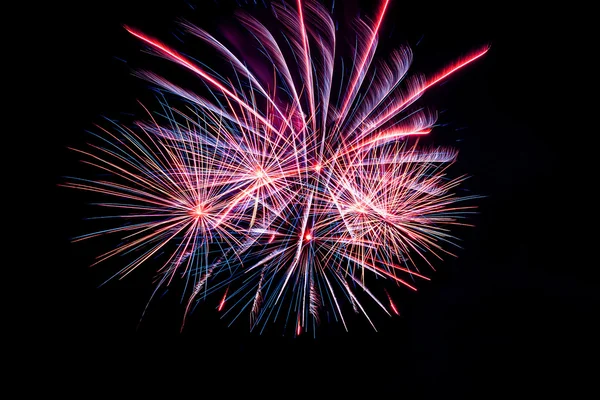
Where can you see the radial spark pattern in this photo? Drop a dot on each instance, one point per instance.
(288, 197)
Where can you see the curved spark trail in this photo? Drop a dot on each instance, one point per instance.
(288, 198)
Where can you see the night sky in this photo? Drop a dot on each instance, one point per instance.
(514, 313)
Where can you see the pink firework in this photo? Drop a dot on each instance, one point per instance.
(285, 197)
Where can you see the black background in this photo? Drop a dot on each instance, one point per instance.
(514, 314)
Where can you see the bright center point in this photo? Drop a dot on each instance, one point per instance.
(199, 212)
(360, 208)
(308, 236)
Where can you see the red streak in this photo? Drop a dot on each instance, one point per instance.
(364, 58)
(223, 301)
(393, 306)
(458, 66)
(430, 83)
(181, 59)
(307, 61)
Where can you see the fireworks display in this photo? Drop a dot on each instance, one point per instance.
(289, 195)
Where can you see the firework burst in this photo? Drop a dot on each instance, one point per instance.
(286, 198)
